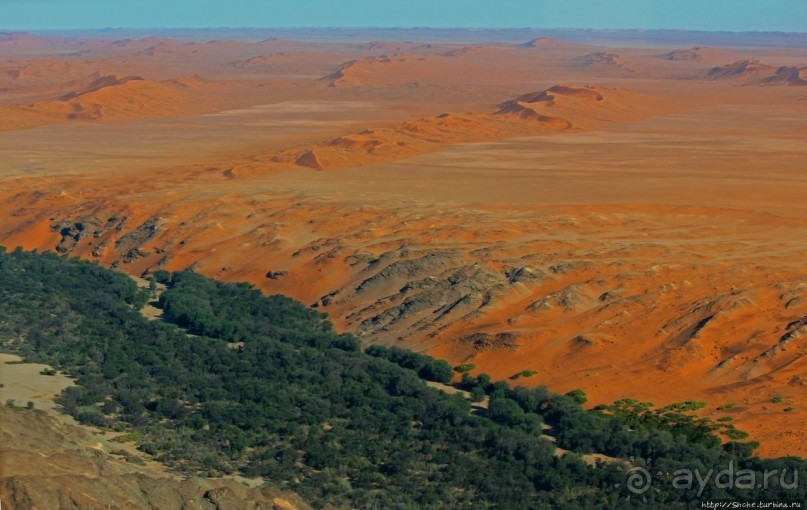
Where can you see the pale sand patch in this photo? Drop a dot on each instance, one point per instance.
(23, 382)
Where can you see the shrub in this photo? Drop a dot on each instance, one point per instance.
(578, 396)
(733, 433)
(477, 394)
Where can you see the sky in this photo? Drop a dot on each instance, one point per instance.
(711, 15)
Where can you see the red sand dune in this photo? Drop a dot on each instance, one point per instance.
(557, 108)
(696, 53)
(35, 75)
(167, 48)
(548, 43)
(112, 97)
(393, 47)
(742, 69)
(793, 76)
(369, 72)
(604, 61)
(292, 64)
(457, 67)
(756, 72)
(267, 61)
(536, 104)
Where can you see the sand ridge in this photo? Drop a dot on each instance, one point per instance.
(754, 71)
(558, 108)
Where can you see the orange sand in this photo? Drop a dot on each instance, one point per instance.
(629, 221)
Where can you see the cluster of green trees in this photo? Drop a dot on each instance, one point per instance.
(264, 386)
(426, 367)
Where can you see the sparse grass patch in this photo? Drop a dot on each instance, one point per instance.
(689, 405)
(129, 437)
(11, 404)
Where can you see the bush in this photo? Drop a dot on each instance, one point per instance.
(161, 276)
(437, 371)
(505, 411)
(733, 433)
(477, 394)
(578, 396)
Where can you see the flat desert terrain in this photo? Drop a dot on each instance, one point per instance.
(626, 217)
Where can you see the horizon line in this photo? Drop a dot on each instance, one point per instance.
(345, 27)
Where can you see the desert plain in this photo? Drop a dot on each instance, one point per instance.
(624, 215)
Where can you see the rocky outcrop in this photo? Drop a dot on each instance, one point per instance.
(480, 342)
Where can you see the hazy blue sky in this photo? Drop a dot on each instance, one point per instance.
(732, 15)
